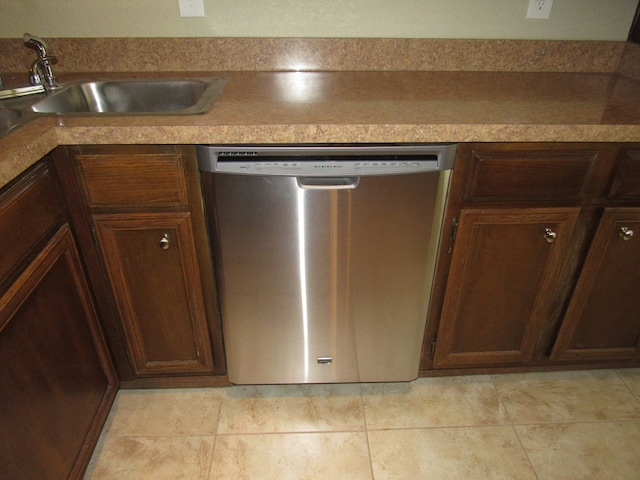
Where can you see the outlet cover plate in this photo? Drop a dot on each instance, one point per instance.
(540, 9)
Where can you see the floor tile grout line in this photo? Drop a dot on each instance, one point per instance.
(451, 427)
(215, 438)
(366, 433)
(513, 425)
(633, 392)
(162, 435)
(435, 427)
(107, 435)
(290, 432)
(579, 421)
(526, 452)
(502, 402)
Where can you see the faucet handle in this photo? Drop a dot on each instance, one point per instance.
(41, 73)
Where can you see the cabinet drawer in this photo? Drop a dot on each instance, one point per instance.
(626, 182)
(529, 174)
(133, 180)
(36, 193)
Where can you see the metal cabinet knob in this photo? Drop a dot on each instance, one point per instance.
(164, 242)
(625, 233)
(550, 235)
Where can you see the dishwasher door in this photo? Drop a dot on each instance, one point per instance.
(323, 283)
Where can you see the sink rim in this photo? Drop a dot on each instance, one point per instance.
(12, 120)
(212, 90)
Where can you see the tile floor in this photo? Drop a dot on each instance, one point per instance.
(565, 425)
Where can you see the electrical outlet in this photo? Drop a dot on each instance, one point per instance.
(539, 9)
(191, 8)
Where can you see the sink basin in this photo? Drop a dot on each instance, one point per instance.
(133, 97)
(8, 119)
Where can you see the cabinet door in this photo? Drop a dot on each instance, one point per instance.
(504, 268)
(152, 266)
(56, 380)
(603, 318)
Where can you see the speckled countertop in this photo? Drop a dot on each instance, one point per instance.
(362, 106)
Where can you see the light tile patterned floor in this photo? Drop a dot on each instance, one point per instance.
(563, 425)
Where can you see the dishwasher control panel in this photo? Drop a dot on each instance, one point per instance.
(355, 160)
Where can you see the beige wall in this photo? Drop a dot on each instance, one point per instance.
(570, 19)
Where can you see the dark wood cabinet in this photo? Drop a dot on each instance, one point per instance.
(603, 318)
(602, 323)
(538, 260)
(57, 382)
(151, 262)
(141, 222)
(505, 267)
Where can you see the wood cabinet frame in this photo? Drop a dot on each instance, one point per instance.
(174, 190)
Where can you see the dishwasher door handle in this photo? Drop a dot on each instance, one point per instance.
(327, 183)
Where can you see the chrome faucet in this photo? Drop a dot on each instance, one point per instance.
(41, 72)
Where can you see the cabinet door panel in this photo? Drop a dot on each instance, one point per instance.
(503, 273)
(157, 290)
(36, 194)
(603, 318)
(56, 381)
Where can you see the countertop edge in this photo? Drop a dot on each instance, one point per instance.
(46, 136)
(350, 133)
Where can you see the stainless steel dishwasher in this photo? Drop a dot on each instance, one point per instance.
(324, 257)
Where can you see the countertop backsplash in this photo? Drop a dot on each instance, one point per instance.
(317, 54)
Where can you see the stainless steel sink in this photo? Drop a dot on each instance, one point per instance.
(9, 118)
(133, 97)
